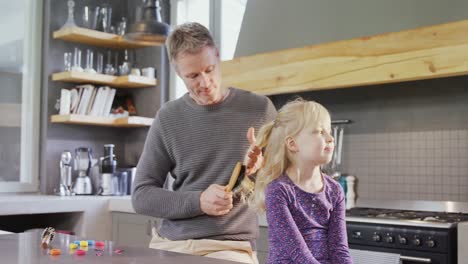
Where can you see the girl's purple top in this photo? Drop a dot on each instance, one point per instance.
(306, 227)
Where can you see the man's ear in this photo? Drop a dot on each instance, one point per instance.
(291, 144)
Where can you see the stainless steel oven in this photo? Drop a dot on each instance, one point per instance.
(417, 237)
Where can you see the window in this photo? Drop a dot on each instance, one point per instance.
(232, 13)
(223, 18)
(20, 50)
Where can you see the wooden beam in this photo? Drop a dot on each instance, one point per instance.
(417, 54)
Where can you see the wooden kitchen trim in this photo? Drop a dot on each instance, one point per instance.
(126, 81)
(416, 54)
(98, 38)
(131, 121)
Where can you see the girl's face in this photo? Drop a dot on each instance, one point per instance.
(314, 144)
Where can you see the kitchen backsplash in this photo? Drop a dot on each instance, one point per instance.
(427, 165)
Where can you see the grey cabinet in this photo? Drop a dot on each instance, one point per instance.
(132, 229)
(262, 245)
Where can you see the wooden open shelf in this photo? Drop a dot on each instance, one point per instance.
(98, 38)
(127, 81)
(416, 54)
(131, 121)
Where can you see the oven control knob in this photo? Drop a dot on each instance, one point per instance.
(430, 243)
(389, 239)
(376, 238)
(417, 242)
(402, 240)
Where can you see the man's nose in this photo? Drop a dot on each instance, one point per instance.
(204, 80)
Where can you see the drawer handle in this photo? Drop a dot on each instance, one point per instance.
(414, 259)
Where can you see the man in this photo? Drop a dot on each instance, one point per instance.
(198, 139)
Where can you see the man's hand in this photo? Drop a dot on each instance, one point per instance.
(215, 200)
(254, 158)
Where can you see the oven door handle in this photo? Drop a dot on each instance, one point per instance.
(414, 259)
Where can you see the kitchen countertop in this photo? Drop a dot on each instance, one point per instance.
(18, 204)
(92, 215)
(25, 248)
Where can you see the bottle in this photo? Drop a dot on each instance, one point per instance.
(351, 194)
(344, 185)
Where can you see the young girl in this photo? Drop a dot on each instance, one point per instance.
(305, 208)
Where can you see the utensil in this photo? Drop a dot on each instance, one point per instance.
(340, 145)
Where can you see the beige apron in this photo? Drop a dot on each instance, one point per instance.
(240, 251)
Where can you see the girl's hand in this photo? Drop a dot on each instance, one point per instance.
(254, 158)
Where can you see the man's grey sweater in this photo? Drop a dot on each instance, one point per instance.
(198, 145)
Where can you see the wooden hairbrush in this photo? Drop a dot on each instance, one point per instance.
(237, 176)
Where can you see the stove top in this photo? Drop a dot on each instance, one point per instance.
(441, 219)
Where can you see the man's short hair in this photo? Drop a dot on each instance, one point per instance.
(188, 37)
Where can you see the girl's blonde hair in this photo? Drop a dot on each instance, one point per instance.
(292, 118)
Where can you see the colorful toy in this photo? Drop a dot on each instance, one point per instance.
(55, 252)
(73, 245)
(99, 243)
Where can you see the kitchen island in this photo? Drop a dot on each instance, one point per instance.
(25, 248)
